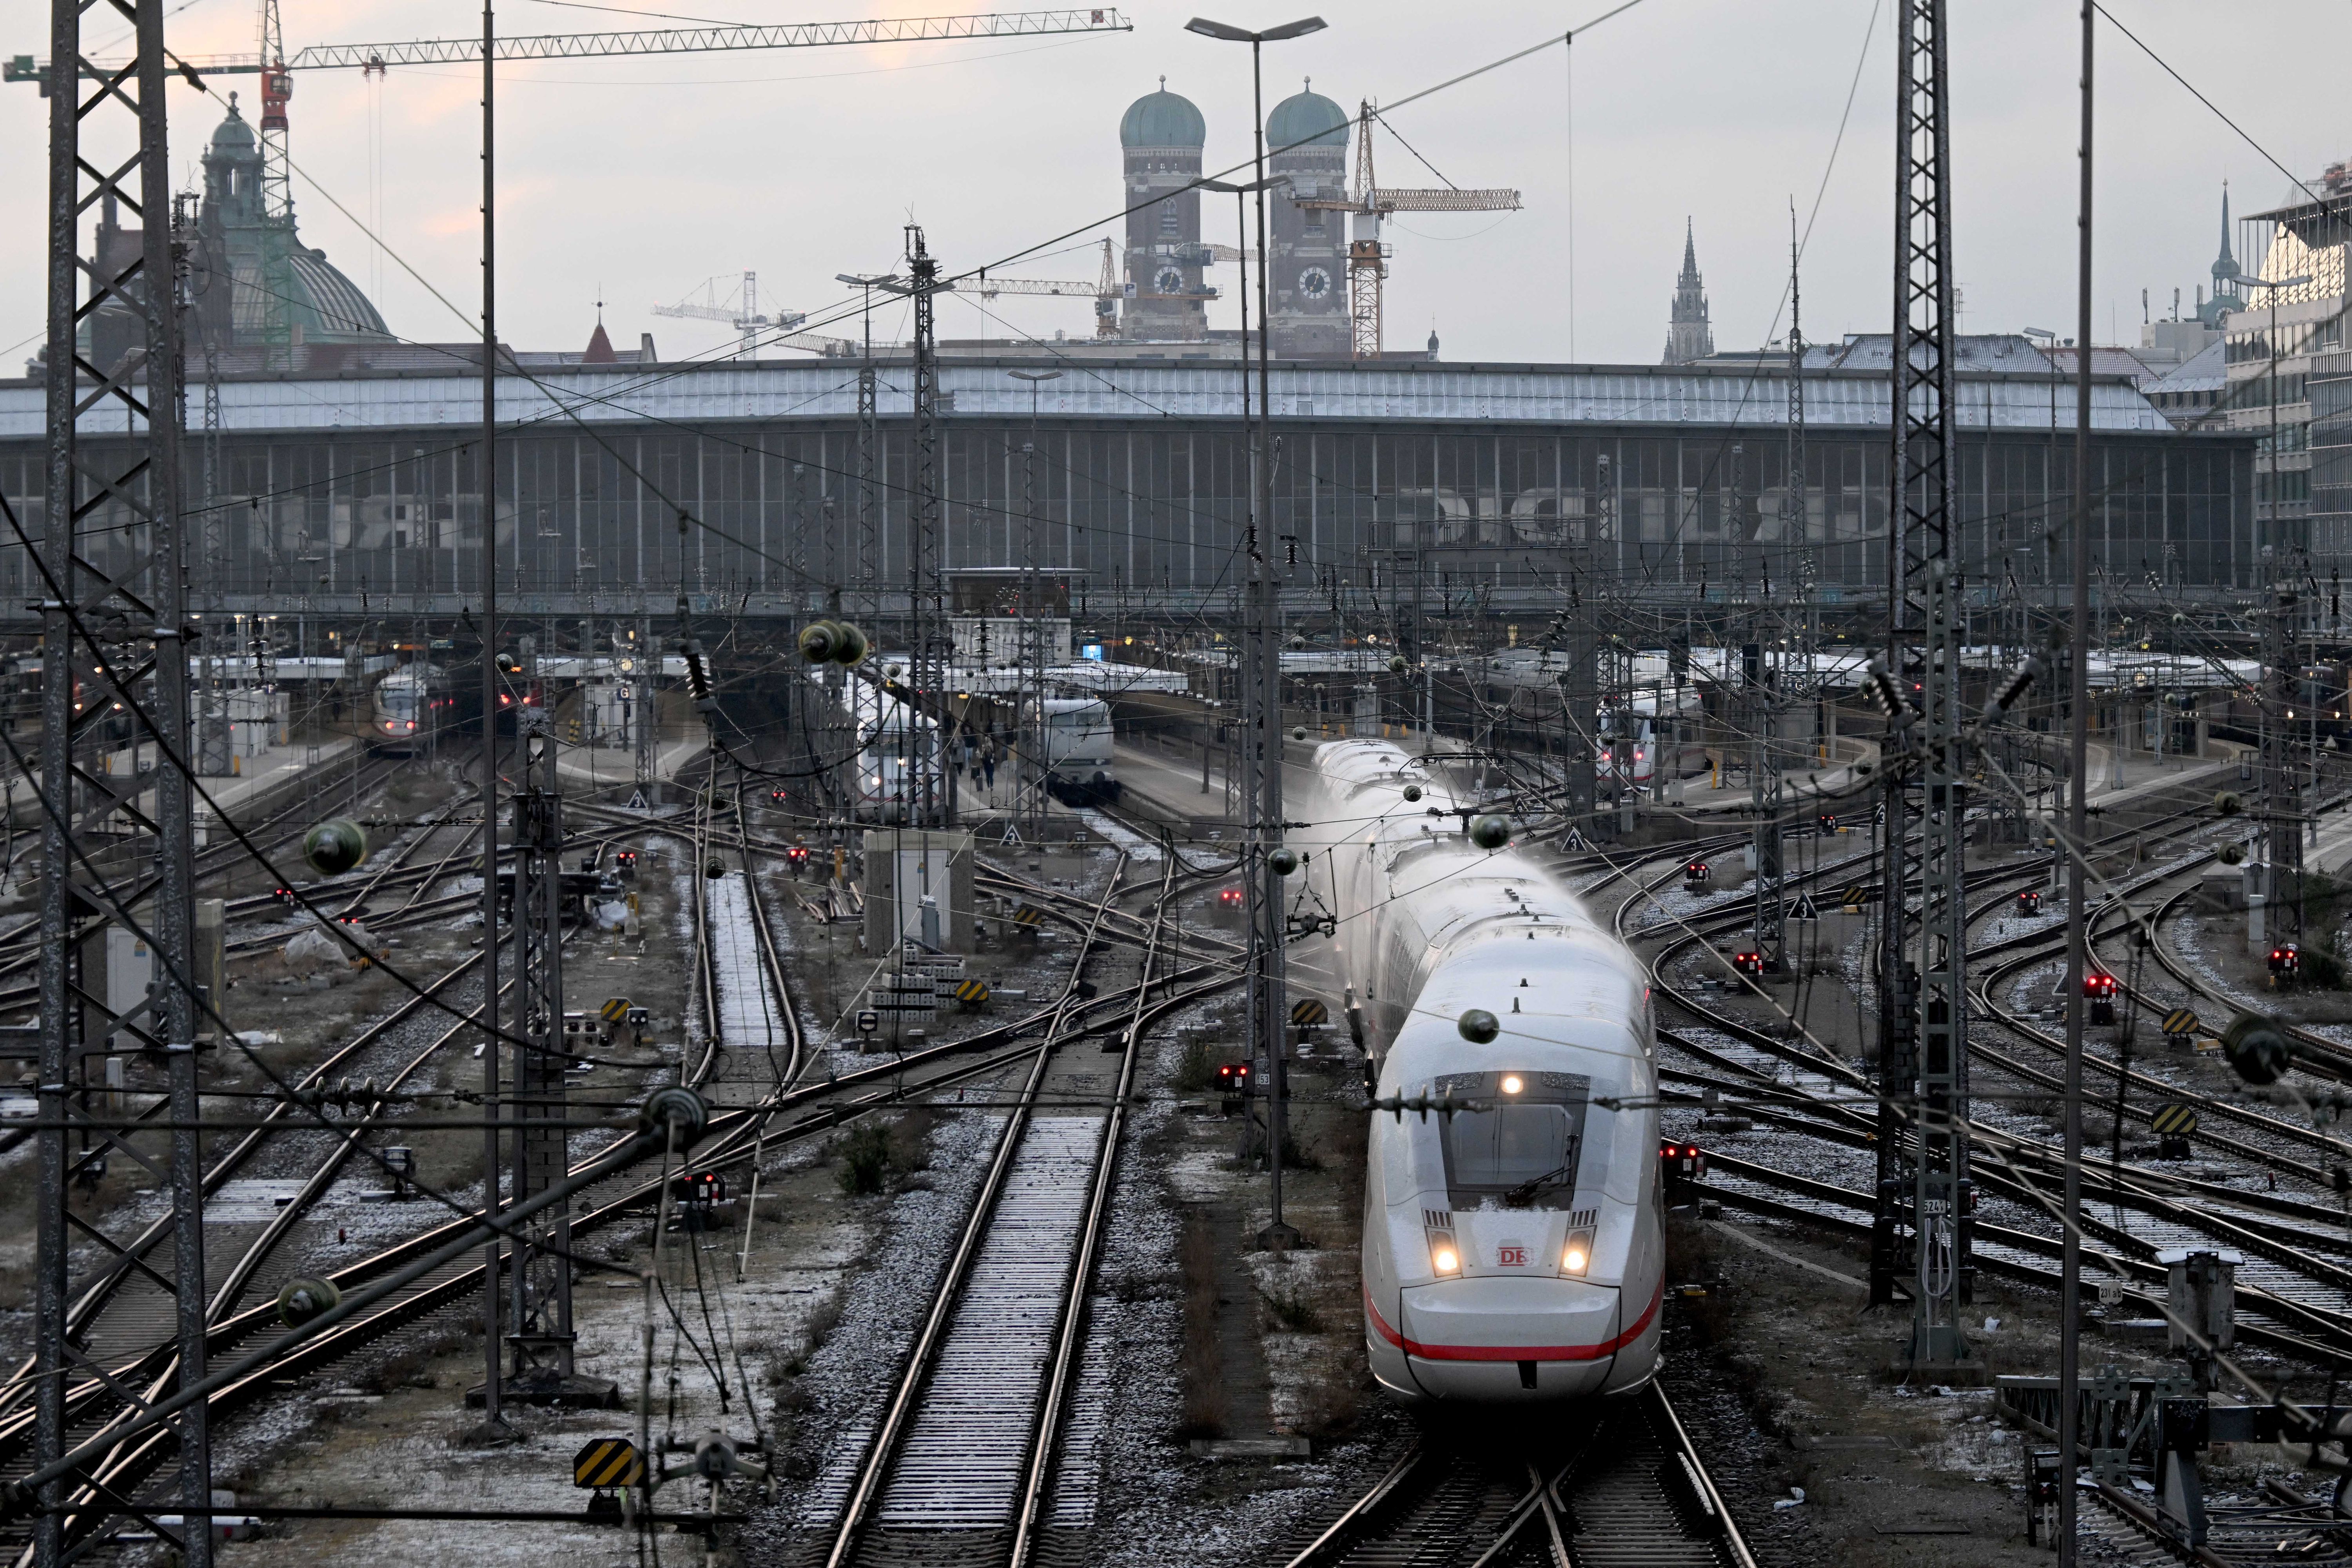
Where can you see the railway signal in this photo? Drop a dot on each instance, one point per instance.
(1749, 962)
(1233, 1083)
(2099, 990)
(697, 1194)
(626, 863)
(2287, 961)
(1681, 1166)
(2029, 902)
(797, 856)
(1698, 874)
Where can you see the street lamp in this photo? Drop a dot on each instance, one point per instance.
(1263, 712)
(1033, 624)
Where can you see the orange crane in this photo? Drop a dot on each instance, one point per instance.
(1368, 257)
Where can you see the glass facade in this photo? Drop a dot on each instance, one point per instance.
(770, 510)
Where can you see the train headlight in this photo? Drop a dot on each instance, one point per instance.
(1576, 1256)
(1513, 1083)
(1445, 1258)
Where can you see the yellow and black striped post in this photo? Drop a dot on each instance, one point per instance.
(608, 1462)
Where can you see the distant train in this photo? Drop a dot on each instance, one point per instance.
(1513, 1248)
(1629, 752)
(1070, 739)
(891, 749)
(418, 705)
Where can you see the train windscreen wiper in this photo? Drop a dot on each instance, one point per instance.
(1523, 1194)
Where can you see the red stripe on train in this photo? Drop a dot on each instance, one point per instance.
(1514, 1353)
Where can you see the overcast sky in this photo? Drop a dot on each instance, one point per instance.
(636, 180)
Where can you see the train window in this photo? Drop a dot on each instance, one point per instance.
(1520, 1147)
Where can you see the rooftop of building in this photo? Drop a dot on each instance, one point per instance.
(1163, 118)
(419, 387)
(2205, 371)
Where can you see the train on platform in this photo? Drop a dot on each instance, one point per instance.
(1070, 739)
(887, 749)
(1513, 1243)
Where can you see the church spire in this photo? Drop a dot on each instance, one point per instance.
(1688, 337)
(2225, 265)
(2226, 273)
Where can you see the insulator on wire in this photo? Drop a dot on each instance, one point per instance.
(1886, 693)
(697, 676)
(2019, 680)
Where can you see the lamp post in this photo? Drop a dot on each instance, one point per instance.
(1033, 625)
(1263, 707)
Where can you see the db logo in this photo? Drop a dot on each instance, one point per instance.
(1507, 1257)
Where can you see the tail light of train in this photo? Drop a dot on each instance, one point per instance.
(1576, 1256)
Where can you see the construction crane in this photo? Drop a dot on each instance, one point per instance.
(1105, 291)
(276, 69)
(598, 46)
(1368, 257)
(744, 316)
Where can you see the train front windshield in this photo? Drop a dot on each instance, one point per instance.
(1520, 1144)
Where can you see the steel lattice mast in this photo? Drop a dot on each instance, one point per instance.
(127, 488)
(1922, 999)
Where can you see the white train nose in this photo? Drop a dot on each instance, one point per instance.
(1509, 1338)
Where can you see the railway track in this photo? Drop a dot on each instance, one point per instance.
(1611, 1484)
(122, 1317)
(778, 1114)
(963, 1458)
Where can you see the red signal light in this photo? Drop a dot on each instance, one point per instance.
(1749, 962)
(2099, 986)
(1231, 896)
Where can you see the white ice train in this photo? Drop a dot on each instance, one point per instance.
(896, 747)
(1628, 751)
(1512, 1249)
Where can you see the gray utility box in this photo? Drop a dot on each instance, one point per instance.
(2221, 889)
(905, 866)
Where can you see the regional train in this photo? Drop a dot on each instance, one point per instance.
(1071, 739)
(1513, 1248)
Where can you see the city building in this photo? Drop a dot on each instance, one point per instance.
(1688, 338)
(1160, 137)
(1306, 141)
(2288, 330)
(257, 293)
